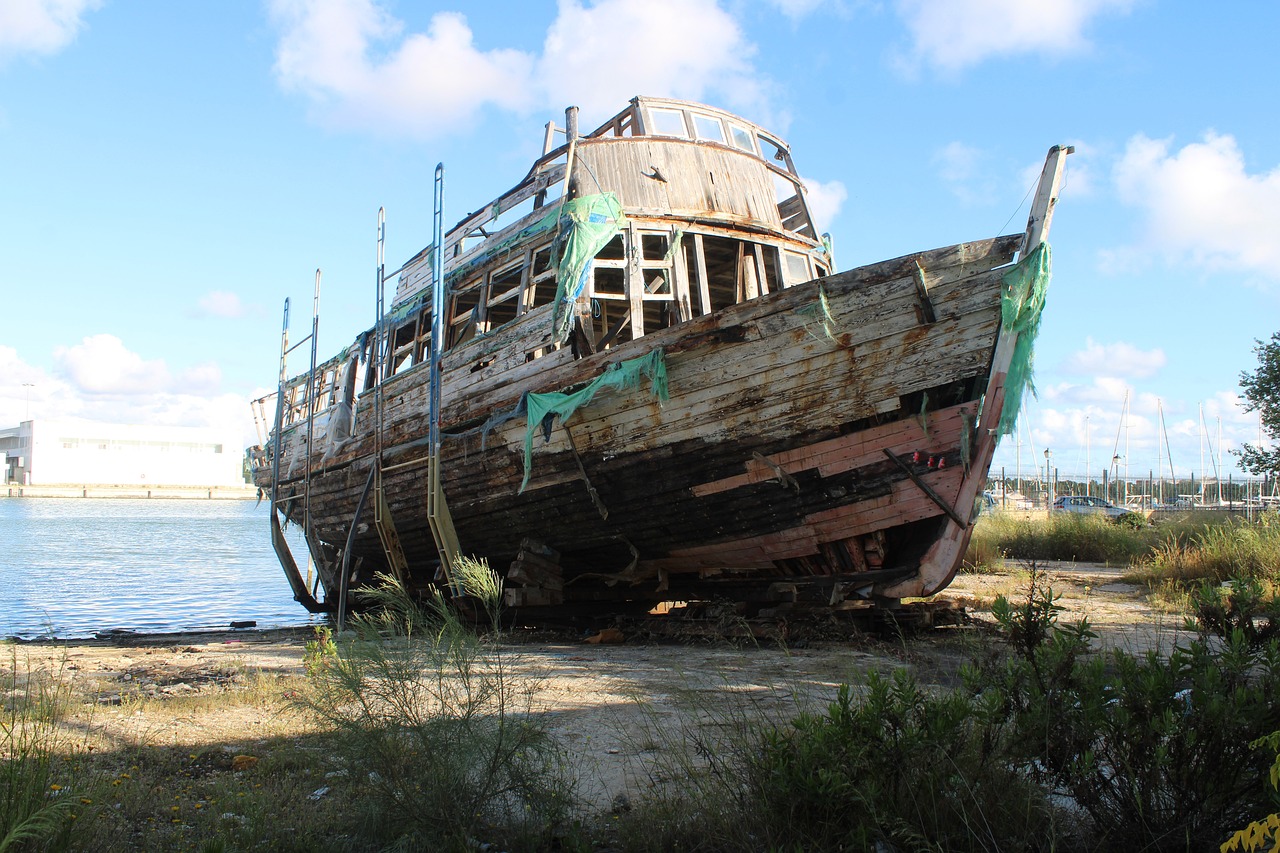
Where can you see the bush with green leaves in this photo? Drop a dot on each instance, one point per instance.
(1247, 605)
(898, 765)
(440, 738)
(1154, 749)
(1262, 835)
(320, 651)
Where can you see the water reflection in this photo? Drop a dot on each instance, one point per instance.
(74, 566)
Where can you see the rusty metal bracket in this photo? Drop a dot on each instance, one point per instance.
(927, 489)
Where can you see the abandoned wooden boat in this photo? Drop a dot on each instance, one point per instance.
(635, 377)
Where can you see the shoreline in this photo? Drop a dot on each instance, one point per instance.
(214, 493)
(140, 639)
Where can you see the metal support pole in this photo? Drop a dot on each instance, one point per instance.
(438, 517)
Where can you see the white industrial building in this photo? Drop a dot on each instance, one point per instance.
(85, 453)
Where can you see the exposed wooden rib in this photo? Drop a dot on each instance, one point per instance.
(922, 293)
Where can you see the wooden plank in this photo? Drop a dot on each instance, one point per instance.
(845, 453)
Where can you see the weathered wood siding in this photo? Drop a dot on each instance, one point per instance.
(679, 178)
(767, 388)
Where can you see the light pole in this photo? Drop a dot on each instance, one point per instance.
(1048, 475)
(28, 386)
(1115, 475)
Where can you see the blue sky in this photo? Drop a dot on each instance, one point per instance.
(170, 172)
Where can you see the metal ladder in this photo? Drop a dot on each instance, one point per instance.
(442, 530)
(301, 594)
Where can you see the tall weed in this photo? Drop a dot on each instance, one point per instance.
(1217, 552)
(1060, 536)
(35, 803)
(443, 740)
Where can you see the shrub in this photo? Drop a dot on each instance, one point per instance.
(1259, 833)
(1154, 750)
(897, 766)
(1248, 606)
(320, 651)
(441, 738)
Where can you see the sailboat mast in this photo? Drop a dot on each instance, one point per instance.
(1088, 465)
(1202, 451)
(1160, 447)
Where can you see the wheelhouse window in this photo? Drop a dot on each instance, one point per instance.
(742, 138)
(709, 128)
(464, 314)
(735, 271)
(773, 150)
(667, 123)
(795, 268)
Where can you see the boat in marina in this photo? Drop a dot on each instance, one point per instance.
(636, 377)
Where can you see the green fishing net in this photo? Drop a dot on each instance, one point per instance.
(587, 224)
(625, 375)
(1022, 298)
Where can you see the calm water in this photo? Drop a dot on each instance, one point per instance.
(71, 567)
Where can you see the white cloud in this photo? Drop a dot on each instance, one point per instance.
(825, 201)
(420, 84)
(126, 389)
(1083, 427)
(1119, 359)
(101, 364)
(1201, 205)
(22, 386)
(795, 9)
(205, 377)
(598, 56)
(221, 303)
(963, 169)
(355, 62)
(40, 26)
(954, 34)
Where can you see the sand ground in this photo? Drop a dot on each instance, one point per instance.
(622, 710)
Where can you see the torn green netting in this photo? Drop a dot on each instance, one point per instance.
(587, 224)
(819, 314)
(625, 375)
(1022, 298)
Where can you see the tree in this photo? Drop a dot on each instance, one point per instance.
(1262, 394)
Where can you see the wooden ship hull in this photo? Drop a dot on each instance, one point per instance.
(714, 415)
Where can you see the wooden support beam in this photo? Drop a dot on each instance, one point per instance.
(927, 314)
(927, 489)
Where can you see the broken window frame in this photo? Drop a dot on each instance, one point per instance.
(498, 292)
(544, 279)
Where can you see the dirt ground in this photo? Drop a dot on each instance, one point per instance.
(622, 710)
